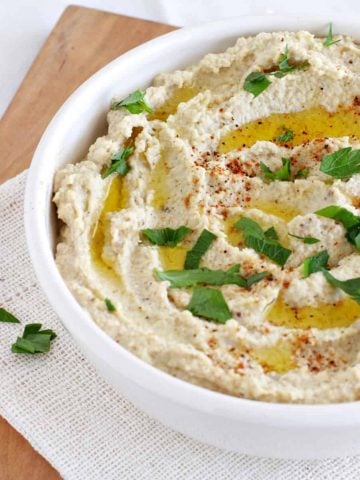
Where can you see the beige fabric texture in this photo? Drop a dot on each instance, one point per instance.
(79, 423)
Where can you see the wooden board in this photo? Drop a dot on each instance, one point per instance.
(82, 41)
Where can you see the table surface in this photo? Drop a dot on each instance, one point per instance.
(70, 55)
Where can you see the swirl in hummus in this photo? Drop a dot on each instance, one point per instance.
(249, 134)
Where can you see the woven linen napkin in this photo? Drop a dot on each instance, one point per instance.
(79, 423)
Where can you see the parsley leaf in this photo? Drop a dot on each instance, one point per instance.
(308, 240)
(350, 221)
(302, 173)
(341, 164)
(202, 244)
(109, 305)
(286, 136)
(256, 239)
(284, 67)
(315, 263)
(134, 103)
(210, 304)
(7, 317)
(271, 234)
(188, 278)
(350, 287)
(34, 340)
(256, 83)
(282, 174)
(329, 39)
(118, 162)
(166, 236)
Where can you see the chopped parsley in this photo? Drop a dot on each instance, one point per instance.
(308, 240)
(257, 82)
(286, 136)
(315, 263)
(341, 164)
(201, 246)
(256, 239)
(210, 304)
(329, 39)
(34, 340)
(350, 221)
(7, 317)
(282, 174)
(302, 173)
(166, 236)
(205, 276)
(134, 103)
(118, 162)
(350, 287)
(109, 305)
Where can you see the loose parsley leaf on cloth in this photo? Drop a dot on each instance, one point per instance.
(350, 287)
(282, 174)
(109, 305)
(256, 239)
(256, 83)
(210, 304)
(315, 263)
(341, 164)
(169, 237)
(205, 276)
(308, 240)
(118, 162)
(286, 136)
(329, 39)
(134, 103)
(34, 340)
(7, 317)
(201, 246)
(350, 221)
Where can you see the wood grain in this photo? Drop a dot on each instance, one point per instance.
(82, 41)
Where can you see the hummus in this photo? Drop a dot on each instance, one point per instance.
(202, 159)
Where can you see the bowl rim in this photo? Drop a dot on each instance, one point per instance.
(328, 415)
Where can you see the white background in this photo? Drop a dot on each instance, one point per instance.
(25, 24)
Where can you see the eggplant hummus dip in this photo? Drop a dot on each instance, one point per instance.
(215, 230)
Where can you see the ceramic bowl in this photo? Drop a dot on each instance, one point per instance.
(246, 426)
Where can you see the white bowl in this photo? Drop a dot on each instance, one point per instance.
(246, 426)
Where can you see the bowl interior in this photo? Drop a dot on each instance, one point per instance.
(76, 125)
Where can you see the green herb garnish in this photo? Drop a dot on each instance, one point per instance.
(341, 164)
(166, 236)
(308, 240)
(282, 174)
(7, 317)
(202, 244)
(109, 305)
(118, 162)
(34, 340)
(284, 67)
(210, 304)
(315, 263)
(350, 287)
(271, 234)
(350, 221)
(256, 239)
(329, 39)
(205, 276)
(134, 103)
(302, 173)
(256, 83)
(286, 136)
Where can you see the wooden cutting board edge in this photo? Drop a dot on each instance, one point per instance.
(82, 41)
